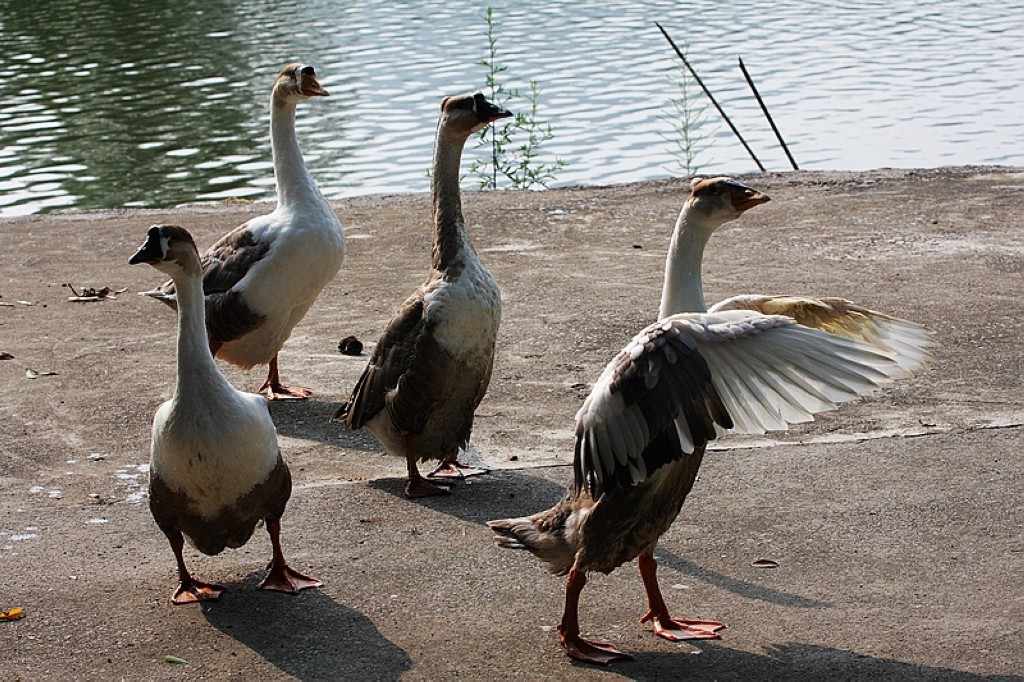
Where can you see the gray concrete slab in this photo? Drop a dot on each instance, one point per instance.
(896, 522)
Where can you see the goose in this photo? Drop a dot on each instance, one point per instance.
(432, 364)
(692, 375)
(261, 278)
(215, 467)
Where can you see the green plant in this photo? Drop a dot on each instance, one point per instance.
(514, 142)
(689, 122)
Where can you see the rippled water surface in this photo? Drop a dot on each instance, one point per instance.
(111, 103)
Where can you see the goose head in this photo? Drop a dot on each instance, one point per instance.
(170, 249)
(716, 201)
(467, 114)
(297, 82)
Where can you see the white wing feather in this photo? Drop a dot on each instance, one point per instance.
(768, 372)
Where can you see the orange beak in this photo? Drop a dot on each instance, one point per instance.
(744, 198)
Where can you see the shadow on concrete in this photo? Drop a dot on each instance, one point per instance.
(794, 661)
(311, 420)
(496, 495)
(507, 494)
(735, 585)
(308, 636)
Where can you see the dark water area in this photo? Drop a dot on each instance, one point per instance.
(114, 103)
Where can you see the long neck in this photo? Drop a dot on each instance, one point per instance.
(294, 183)
(197, 370)
(449, 229)
(683, 291)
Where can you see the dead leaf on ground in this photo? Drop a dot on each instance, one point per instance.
(764, 563)
(90, 294)
(12, 614)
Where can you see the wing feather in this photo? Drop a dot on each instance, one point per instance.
(682, 381)
(390, 361)
(908, 342)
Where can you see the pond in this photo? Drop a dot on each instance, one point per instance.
(109, 103)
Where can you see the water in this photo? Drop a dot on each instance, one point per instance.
(109, 103)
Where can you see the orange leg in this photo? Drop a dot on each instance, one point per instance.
(283, 577)
(189, 589)
(588, 651)
(275, 390)
(675, 629)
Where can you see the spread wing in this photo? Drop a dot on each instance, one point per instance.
(684, 378)
(908, 342)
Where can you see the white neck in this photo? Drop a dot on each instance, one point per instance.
(683, 291)
(198, 373)
(294, 184)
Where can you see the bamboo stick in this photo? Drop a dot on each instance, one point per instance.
(764, 108)
(710, 96)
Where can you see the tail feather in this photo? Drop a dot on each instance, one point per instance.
(544, 540)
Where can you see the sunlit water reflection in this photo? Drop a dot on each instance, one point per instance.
(114, 103)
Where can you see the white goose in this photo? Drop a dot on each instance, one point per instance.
(642, 432)
(215, 466)
(433, 363)
(262, 277)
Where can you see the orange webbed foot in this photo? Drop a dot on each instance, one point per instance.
(282, 392)
(592, 651)
(420, 487)
(456, 470)
(284, 578)
(680, 629)
(194, 591)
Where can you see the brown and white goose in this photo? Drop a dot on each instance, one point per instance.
(432, 364)
(262, 277)
(215, 467)
(642, 431)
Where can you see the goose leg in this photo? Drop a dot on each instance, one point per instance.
(189, 589)
(675, 629)
(417, 485)
(588, 651)
(283, 577)
(275, 390)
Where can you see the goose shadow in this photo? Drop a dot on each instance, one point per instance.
(512, 493)
(737, 586)
(308, 636)
(792, 661)
(499, 494)
(311, 420)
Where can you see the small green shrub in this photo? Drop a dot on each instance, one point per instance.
(514, 142)
(688, 117)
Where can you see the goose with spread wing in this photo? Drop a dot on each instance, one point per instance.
(261, 278)
(642, 432)
(432, 365)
